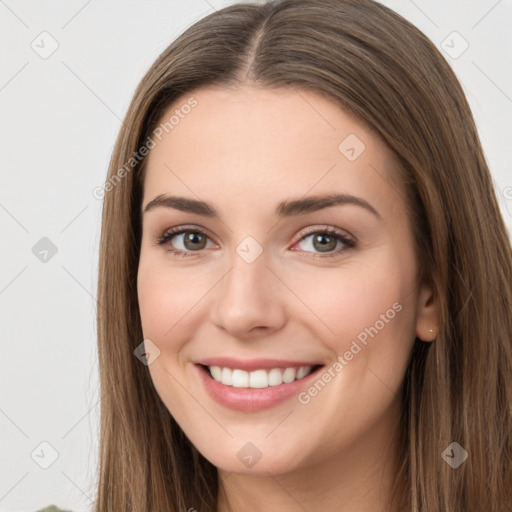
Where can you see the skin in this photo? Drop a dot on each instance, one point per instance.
(244, 150)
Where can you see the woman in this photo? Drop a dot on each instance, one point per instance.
(339, 339)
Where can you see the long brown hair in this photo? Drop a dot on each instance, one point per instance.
(379, 67)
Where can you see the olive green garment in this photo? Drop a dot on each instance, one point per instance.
(53, 508)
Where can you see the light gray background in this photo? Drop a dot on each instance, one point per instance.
(59, 120)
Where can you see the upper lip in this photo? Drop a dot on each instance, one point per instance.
(254, 364)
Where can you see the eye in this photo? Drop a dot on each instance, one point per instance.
(192, 239)
(324, 241)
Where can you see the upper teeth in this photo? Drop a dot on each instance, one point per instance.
(258, 378)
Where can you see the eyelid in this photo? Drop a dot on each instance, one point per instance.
(341, 235)
(347, 240)
(322, 228)
(177, 230)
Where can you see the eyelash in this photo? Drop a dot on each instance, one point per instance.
(171, 233)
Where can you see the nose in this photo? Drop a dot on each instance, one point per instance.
(249, 300)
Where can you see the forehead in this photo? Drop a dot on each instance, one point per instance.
(259, 145)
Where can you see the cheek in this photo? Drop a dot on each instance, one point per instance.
(166, 300)
(364, 312)
(167, 297)
(156, 306)
(344, 301)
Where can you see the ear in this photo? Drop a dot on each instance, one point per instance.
(427, 322)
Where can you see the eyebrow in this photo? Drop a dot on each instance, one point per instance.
(287, 208)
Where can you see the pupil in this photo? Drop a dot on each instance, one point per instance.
(324, 247)
(192, 237)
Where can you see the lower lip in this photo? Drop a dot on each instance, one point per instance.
(253, 399)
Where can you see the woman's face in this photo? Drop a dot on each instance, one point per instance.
(256, 286)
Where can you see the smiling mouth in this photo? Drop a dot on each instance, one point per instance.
(258, 379)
